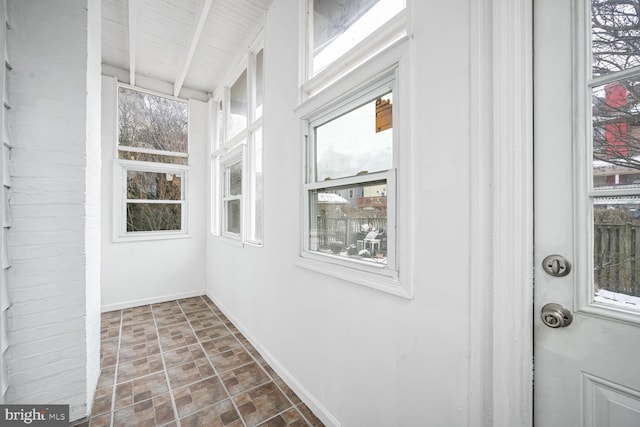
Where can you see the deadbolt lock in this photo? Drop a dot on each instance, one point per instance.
(556, 265)
(556, 316)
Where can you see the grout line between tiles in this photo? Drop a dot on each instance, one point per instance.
(164, 365)
(210, 363)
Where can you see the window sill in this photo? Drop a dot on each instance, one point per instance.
(150, 237)
(374, 280)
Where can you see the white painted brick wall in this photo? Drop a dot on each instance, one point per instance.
(55, 239)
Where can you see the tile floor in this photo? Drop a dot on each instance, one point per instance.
(183, 363)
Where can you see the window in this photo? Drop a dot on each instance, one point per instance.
(237, 154)
(349, 30)
(152, 158)
(351, 165)
(355, 142)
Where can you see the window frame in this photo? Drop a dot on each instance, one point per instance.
(122, 166)
(389, 65)
(121, 169)
(392, 33)
(234, 157)
(225, 147)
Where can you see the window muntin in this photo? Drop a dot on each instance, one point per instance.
(152, 124)
(338, 26)
(355, 143)
(351, 210)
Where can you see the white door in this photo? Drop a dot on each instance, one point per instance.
(587, 209)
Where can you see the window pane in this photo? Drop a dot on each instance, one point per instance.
(154, 217)
(256, 187)
(238, 106)
(615, 32)
(350, 221)
(153, 186)
(338, 25)
(357, 142)
(155, 158)
(259, 83)
(151, 121)
(232, 212)
(234, 177)
(617, 251)
(616, 134)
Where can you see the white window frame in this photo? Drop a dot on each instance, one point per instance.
(232, 158)
(224, 149)
(122, 166)
(387, 71)
(393, 32)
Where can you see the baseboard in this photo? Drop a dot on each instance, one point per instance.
(314, 404)
(154, 300)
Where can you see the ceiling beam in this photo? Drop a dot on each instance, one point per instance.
(132, 41)
(201, 18)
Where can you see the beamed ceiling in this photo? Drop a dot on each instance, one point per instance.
(189, 44)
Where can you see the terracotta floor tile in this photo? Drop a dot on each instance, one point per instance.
(103, 420)
(183, 355)
(138, 351)
(198, 396)
(261, 403)
(310, 417)
(198, 324)
(170, 310)
(222, 414)
(110, 315)
(245, 342)
(190, 373)
(230, 359)
(140, 389)
(107, 377)
(138, 334)
(108, 352)
(176, 336)
(212, 333)
(139, 368)
(193, 304)
(290, 418)
(220, 345)
(164, 306)
(102, 401)
(151, 412)
(134, 311)
(170, 319)
(243, 378)
(287, 391)
(201, 315)
(109, 328)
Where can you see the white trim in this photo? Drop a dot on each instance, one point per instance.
(152, 300)
(310, 400)
(480, 184)
(512, 370)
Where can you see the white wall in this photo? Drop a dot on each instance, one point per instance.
(142, 272)
(360, 356)
(54, 244)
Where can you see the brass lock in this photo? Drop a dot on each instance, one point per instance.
(556, 316)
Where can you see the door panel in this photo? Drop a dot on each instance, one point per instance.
(585, 209)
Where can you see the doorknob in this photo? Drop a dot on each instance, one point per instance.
(556, 316)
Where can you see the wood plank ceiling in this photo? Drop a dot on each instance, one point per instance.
(189, 44)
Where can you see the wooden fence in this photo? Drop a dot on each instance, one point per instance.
(346, 230)
(616, 258)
